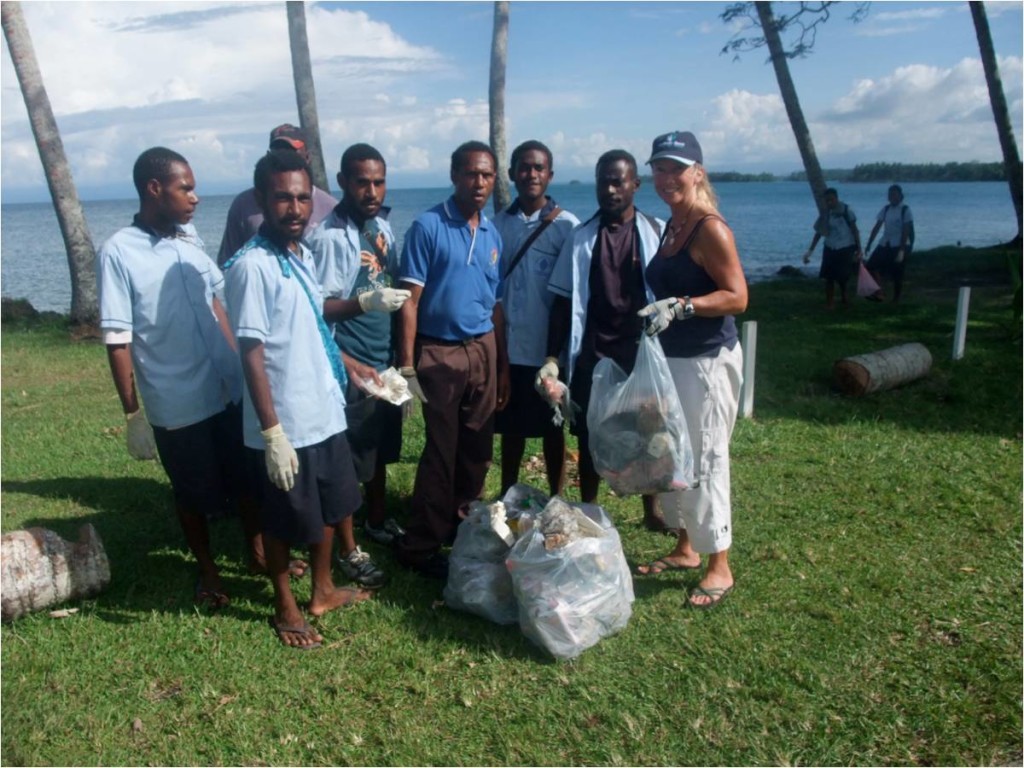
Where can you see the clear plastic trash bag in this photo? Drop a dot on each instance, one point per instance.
(570, 579)
(638, 436)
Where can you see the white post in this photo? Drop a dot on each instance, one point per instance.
(748, 339)
(960, 334)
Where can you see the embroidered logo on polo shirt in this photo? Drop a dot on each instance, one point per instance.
(494, 256)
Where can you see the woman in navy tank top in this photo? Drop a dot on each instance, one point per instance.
(699, 285)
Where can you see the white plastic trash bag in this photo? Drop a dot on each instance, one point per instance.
(570, 579)
(478, 581)
(638, 436)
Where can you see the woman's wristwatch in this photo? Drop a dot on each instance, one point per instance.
(688, 310)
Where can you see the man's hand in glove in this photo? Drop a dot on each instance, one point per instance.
(414, 384)
(282, 461)
(383, 299)
(141, 444)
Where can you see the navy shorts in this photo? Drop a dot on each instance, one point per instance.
(205, 462)
(374, 432)
(838, 265)
(883, 261)
(325, 492)
(527, 413)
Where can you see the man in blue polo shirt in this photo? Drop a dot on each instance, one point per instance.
(532, 230)
(452, 353)
(164, 327)
(294, 408)
(357, 265)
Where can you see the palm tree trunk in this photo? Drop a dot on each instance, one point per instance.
(70, 216)
(499, 57)
(1011, 155)
(305, 93)
(796, 116)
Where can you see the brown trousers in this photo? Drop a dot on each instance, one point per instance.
(459, 382)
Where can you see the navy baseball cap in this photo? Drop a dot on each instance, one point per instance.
(681, 146)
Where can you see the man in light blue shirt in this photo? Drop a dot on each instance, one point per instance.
(294, 409)
(532, 230)
(164, 327)
(357, 266)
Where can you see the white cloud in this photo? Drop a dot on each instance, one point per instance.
(220, 79)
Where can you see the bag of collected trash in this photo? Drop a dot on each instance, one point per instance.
(570, 579)
(478, 581)
(522, 499)
(638, 436)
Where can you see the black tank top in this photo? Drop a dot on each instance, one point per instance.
(678, 275)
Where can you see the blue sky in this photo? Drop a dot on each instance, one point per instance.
(210, 80)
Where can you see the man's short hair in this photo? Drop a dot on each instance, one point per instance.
(467, 148)
(897, 189)
(357, 153)
(831, 191)
(154, 163)
(529, 146)
(613, 156)
(278, 161)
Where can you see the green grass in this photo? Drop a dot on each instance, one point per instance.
(876, 619)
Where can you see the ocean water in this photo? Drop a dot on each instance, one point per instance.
(771, 221)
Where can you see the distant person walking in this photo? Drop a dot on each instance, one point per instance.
(452, 353)
(533, 230)
(896, 221)
(165, 328)
(699, 283)
(245, 216)
(842, 252)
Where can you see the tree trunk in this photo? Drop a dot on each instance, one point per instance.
(70, 216)
(796, 116)
(876, 371)
(305, 93)
(499, 56)
(40, 569)
(1011, 155)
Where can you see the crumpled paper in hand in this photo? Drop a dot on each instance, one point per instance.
(394, 389)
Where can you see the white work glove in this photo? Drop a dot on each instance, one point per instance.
(282, 461)
(383, 299)
(141, 444)
(899, 256)
(661, 314)
(414, 384)
(547, 371)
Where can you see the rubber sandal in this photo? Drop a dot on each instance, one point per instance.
(662, 565)
(214, 599)
(717, 595)
(303, 630)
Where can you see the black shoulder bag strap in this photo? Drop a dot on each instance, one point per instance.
(544, 224)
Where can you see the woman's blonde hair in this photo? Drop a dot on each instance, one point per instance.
(705, 192)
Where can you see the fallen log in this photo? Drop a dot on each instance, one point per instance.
(877, 371)
(39, 569)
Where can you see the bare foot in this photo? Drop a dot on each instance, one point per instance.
(341, 597)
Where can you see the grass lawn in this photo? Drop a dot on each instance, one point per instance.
(876, 618)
